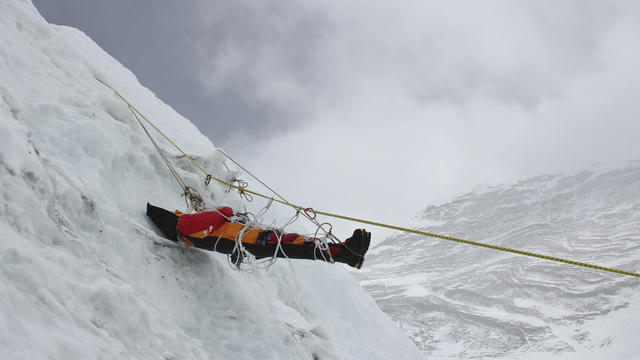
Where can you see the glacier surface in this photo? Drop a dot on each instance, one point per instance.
(459, 301)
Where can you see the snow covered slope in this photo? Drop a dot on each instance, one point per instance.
(459, 301)
(82, 273)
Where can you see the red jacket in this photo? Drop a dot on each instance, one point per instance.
(216, 224)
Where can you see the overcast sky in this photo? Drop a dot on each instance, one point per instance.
(377, 109)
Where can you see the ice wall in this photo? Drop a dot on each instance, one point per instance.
(83, 275)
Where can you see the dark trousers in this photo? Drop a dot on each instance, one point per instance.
(167, 222)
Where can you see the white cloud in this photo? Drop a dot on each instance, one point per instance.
(397, 105)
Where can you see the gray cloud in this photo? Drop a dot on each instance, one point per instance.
(162, 43)
(430, 51)
(416, 102)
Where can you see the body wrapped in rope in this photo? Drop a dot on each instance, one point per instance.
(348, 218)
(222, 231)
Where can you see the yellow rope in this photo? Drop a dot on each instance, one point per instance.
(363, 221)
(150, 123)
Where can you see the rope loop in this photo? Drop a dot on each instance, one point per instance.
(327, 234)
(263, 211)
(242, 189)
(292, 220)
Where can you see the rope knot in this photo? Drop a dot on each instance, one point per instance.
(242, 189)
(194, 199)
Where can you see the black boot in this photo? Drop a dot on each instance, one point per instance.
(165, 220)
(354, 249)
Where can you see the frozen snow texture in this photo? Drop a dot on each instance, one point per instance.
(459, 301)
(83, 275)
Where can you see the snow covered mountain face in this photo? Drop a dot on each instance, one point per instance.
(459, 301)
(83, 274)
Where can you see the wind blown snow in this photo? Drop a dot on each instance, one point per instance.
(83, 275)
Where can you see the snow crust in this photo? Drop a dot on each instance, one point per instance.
(83, 275)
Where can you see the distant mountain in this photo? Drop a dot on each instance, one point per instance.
(461, 301)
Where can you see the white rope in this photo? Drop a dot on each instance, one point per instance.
(328, 235)
(249, 221)
(192, 198)
(322, 243)
(255, 221)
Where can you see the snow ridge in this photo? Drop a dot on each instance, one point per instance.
(459, 301)
(83, 275)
